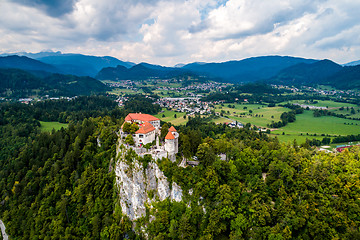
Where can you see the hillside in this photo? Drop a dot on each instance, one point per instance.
(82, 65)
(347, 78)
(354, 63)
(139, 72)
(25, 63)
(19, 83)
(247, 70)
(17, 79)
(74, 85)
(303, 73)
(80, 182)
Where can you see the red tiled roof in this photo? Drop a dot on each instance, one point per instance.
(172, 129)
(169, 136)
(141, 117)
(145, 128)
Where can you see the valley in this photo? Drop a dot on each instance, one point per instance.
(243, 149)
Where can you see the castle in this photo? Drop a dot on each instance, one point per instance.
(149, 131)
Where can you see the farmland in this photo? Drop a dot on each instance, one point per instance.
(256, 114)
(306, 124)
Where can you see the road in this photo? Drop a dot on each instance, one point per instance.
(2, 226)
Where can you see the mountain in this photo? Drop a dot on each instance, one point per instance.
(25, 63)
(82, 65)
(140, 71)
(304, 73)
(75, 85)
(354, 63)
(19, 83)
(16, 79)
(34, 55)
(346, 78)
(247, 70)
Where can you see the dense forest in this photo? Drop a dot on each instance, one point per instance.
(19, 83)
(60, 184)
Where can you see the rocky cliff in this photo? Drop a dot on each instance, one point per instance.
(139, 187)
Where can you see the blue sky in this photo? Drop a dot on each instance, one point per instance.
(177, 31)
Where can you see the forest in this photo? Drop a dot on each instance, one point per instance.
(60, 184)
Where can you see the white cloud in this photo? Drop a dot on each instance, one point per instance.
(171, 31)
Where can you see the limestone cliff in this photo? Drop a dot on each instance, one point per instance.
(139, 187)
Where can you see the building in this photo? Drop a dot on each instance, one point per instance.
(149, 131)
(148, 125)
(172, 141)
(146, 134)
(140, 118)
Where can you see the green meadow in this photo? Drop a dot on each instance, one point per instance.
(49, 126)
(306, 124)
(123, 91)
(169, 116)
(261, 114)
(329, 104)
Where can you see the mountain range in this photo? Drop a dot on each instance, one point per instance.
(270, 69)
(69, 63)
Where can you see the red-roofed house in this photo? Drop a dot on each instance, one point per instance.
(148, 127)
(141, 118)
(146, 134)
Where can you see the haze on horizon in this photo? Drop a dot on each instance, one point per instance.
(178, 31)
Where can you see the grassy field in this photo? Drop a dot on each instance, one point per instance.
(169, 117)
(265, 115)
(122, 91)
(305, 126)
(221, 120)
(49, 126)
(306, 123)
(329, 104)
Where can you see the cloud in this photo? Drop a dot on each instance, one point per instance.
(54, 8)
(241, 18)
(172, 31)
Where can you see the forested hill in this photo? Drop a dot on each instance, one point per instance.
(61, 184)
(26, 63)
(19, 83)
(347, 78)
(322, 72)
(140, 72)
(246, 70)
(301, 74)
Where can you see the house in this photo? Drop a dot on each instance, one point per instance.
(149, 131)
(141, 118)
(146, 134)
(149, 126)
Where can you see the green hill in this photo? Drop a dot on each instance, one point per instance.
(19, 83)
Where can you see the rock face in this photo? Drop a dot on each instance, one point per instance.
(139, 187)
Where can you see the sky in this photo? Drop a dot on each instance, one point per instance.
(177, 31)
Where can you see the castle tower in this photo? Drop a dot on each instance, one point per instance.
(176, 136)
(171, 143)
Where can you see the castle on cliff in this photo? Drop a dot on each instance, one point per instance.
(148, 132)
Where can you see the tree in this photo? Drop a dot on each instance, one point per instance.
(133, 128)
(129, 140)
(164, 131)
(126, 127)
(205, 154)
